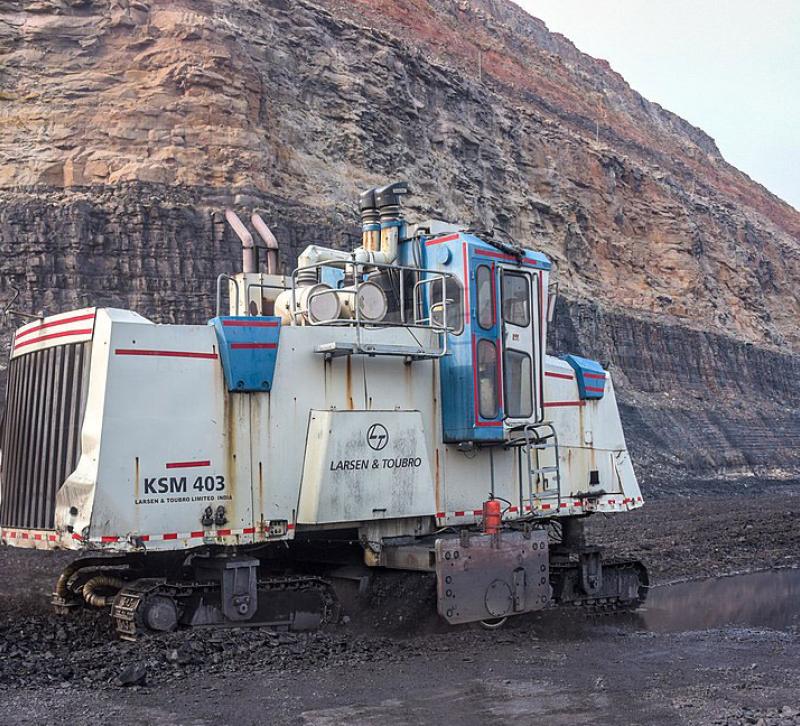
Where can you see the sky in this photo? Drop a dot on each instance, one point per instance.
(731, 67)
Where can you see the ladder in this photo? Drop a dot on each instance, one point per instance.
(532, 439)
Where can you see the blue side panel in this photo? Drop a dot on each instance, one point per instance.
(331, 276)
(461, 418)
(463, 255)
(591, 377)
(248, 348)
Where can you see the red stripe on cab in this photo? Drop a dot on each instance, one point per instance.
(54, 323)
(249, 324)
(165, 353)
(565, 376)
(254, 346)
(42, 338)
(188, 464)
(439, 240)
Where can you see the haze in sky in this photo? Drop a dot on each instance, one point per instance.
(731, 67)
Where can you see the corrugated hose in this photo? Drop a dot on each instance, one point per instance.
(105, 582)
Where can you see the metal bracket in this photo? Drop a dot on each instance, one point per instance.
(497, 575)
(238, 578)
(591, 571)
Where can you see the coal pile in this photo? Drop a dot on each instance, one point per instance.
(82, 651)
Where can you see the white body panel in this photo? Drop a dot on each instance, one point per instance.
(163, 439)
(346, 481)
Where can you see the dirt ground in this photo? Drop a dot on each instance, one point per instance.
(720, 651)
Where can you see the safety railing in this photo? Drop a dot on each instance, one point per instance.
(224, 276)
(427, 311)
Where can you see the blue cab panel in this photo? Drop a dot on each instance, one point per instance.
(591, 377)
(475, 351)
(248, 348)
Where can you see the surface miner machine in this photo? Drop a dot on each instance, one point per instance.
(386, 408)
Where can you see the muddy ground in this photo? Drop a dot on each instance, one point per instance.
(723, 651)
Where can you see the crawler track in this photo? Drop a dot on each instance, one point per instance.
(285, 603)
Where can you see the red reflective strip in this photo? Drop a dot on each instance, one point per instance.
(223, 532)
(565, 376)
(500, 256)
(563, 505)
(109, 538)
(53, 323)
(289, 526)
(187, 464)
(166, 353)
(475, 401)
(51, 537)
(542, 331)
(11, 534)
(75, 535)
(556, 404)
(477, 512)
(594, 389)
(440, 515)
(458, 514)
(249, 530)
(253, 346)
(144, 538)
(439, 240)
(42, 338)
(595, 375)
(170, 535)
(577, 503)
(37, 536)
(196, 535)
(23, 535)
(249, 324)
(612, 501)
(513, 509)
(545, 506)
(466, 285)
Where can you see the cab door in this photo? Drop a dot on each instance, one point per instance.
(519, 307)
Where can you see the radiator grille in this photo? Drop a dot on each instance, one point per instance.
(40, 437)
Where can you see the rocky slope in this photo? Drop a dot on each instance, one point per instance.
(128, 126)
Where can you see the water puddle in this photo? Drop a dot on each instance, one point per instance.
(760, 599)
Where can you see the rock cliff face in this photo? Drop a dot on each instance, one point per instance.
(129, 125)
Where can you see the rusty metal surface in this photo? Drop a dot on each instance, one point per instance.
(483, 576)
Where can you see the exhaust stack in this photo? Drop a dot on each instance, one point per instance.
(269, 240)
(370, 221)
(249, 263)
(387, 200)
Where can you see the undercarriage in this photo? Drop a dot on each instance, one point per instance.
(480, 577)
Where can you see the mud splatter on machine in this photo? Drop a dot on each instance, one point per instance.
(394, 402)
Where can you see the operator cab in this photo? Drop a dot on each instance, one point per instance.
(492, 382)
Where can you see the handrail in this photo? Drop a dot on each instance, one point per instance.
(224, 276)
(360, 272)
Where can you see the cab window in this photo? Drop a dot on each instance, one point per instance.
(454, 295)
(487, 379)
(484, 299)
(517, 381)
(517, 299)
